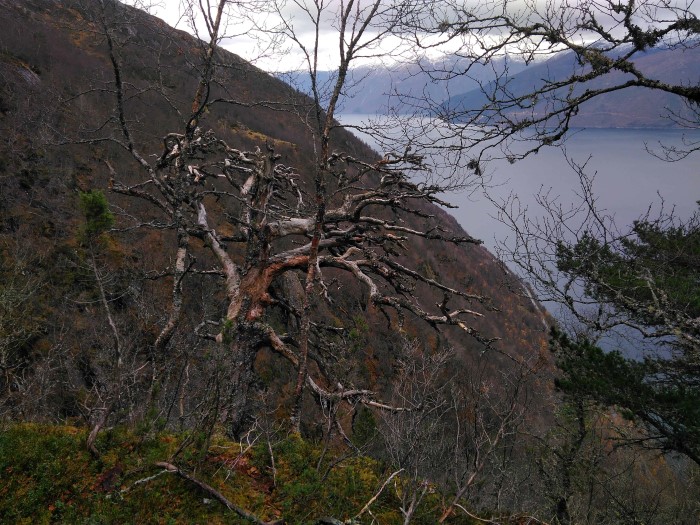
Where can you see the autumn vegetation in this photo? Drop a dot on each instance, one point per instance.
(219, 306)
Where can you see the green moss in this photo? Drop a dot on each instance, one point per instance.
(227, 331)
(47, 476)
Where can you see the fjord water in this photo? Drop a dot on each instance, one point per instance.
(627, 178)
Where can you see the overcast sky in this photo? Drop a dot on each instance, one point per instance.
(171, 11)
(291, 58)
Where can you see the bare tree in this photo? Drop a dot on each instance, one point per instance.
(414, 438)
(245, 219)
(487, 415)
(360, 28)
(459, 433)
(19, 322)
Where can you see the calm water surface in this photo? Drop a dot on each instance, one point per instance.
(627, 179)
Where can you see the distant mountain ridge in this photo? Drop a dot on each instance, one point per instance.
(403, 87)
(633, 107)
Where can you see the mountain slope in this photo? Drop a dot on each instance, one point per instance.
(402, 87)
(628, 108)
(53, 51)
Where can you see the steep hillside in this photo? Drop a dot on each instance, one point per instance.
(629, 108)
(57, 89)
(159, 298)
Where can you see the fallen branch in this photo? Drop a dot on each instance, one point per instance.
(216, 494)
(142, 481)
(511, 519)
(374, 498)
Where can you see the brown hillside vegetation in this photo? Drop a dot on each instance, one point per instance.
(51, 53)
(217, 305)
(90, 275)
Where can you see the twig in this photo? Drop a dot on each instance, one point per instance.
(216, 494)
(141, 481)
(374, 498)
(528, 519)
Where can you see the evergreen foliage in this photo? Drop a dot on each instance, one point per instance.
(669, 405)
(656, 267)
(651, 279)
(95, 209)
